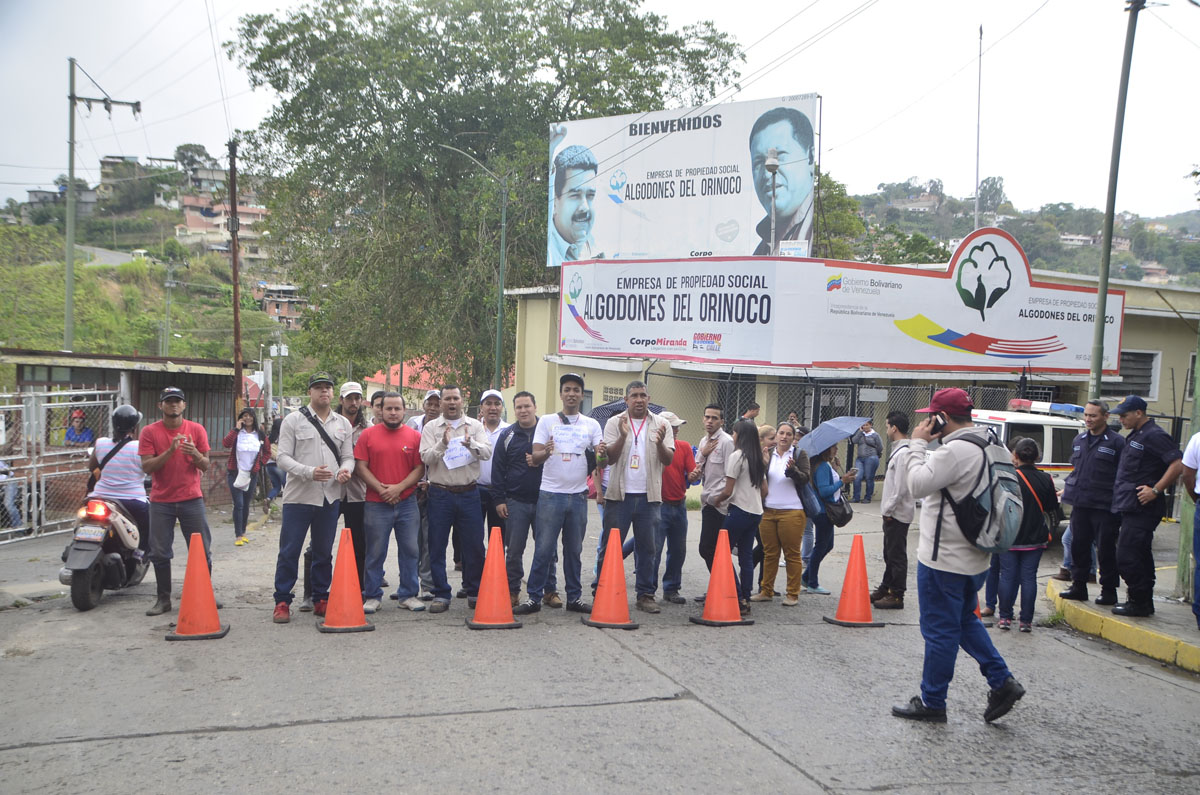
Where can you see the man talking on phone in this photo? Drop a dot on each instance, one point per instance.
(174, 453)
(950, 568)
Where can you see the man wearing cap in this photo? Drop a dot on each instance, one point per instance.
(672, 518)
(1095, 455)
(452, 447)
(432, 406)
(640, 444)
(79, 434)
(560, 444)
(490, 409)
(1150, 464)
(315, 449)
(174, 453)
(950, 568)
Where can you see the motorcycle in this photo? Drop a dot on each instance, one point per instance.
(103, 553)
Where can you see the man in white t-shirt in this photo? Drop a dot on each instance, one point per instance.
(640, 444)
(560, 442)
(1191, 463)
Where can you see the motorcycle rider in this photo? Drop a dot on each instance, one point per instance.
(121, 478)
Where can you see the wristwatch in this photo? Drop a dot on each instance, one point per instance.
(1157, 493)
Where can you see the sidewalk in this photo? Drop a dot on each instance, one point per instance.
(1170, 635)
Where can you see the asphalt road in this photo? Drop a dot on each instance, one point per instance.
(99, 701)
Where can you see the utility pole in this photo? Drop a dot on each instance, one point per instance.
(237, 292)
(978, 123)
(169, 283)
(108, 102)
(1094, 386)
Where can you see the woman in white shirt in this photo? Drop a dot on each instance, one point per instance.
(783, 520)
(249, 450)
(745, 484)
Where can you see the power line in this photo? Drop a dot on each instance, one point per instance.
(196, 109)
(125, 51)
(175, 52)
(212, 34)
(1172, 29)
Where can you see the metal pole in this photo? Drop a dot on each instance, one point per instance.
(978, 118)
(774, 245)
(237, 292)
(1187, 508)
(69, 308)
(1094, 387)
(496, 382)
(166, 346)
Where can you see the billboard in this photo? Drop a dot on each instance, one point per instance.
(983, 313)
(684, 183)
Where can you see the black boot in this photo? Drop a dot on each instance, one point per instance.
(162, 576)
(1077, 592)
(1108, 596)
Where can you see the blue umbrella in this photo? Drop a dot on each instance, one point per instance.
(829, 433)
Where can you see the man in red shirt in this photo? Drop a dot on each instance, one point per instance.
(388, 459)
(174, 453)
(673, 519)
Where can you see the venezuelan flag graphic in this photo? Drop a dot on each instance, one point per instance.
(833, 283)
(922, 328)
(591, 332)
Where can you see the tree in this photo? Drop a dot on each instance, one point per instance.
(395, 239)
(62, 181)
(991, 194)
(837, 223)
(893, 247)
(190, 156)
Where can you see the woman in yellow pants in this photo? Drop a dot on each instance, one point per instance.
(783, 521)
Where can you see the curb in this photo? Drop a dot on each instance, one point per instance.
(1135, 637)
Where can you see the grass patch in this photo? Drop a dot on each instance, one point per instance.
(693, 503)
(1055, 619)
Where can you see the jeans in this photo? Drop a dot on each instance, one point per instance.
(461, 511)
(1196, 574)
(672, 533)
(643, 515)
(241, 504)
(558, 513)
(1019, 568)
(278, 478)
(520, 521)
(867, 467)
(298, 520)
(1068, 542)
(742, 527)
(191, 517)
(1135, 561)
(822, 544)
(782, 531)
(947, 603)
(381, 520)
(806, 546)
(12, 502)
(991, 588)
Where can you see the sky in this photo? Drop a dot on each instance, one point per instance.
(899, 81)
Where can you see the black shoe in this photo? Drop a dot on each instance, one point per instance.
(700, 598)
(915, 709)
(1001, 700)
(1134, 609)
(1076, 593)
(1108, 596)
(527, 607)
(577, 606)
(674, 598)
(462, 594)
(471, 602)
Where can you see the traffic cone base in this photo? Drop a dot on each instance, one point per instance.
(610, 608)
(344, 612)
(493, 608)
(721, 607)
(198, 618)
(854, 606)
(979, 615)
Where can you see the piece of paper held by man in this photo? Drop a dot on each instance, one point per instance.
(457, 454)
(570, 439)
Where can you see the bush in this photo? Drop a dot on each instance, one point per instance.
(136, 272)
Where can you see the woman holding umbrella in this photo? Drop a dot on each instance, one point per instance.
(828, 486)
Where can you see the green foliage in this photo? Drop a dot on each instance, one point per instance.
(134, 185)
(837, 222)
(135, 272)
(29, 245)
(397, 240)
(190, 156)
(891, 246)
(991, 194)
(62, 181)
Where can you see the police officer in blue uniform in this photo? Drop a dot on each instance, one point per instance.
(1095, 454)
(1150, 463)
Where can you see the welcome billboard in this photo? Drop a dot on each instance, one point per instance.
(684, 183)
(983, 313)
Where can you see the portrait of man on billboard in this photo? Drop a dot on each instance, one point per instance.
(790, 132)
(572, 214)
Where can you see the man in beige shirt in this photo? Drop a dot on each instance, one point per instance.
(317, 452)
(639, 445)
(451, 448)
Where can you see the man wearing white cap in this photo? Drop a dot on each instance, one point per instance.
(490, 409)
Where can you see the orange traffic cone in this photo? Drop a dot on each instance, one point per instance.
(610, 608)
(198, 619)
(721, 603)
(854, 606)
(493, 608)
(979, 615)
(344, 613)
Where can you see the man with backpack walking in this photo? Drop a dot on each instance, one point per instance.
(951, 566)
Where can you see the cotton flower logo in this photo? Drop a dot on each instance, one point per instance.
(575, 287)
(983, 277)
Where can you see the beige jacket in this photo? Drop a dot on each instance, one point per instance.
(302, 450)
(654, 467)
(954, 467)
(433, 448)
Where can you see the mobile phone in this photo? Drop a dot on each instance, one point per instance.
(939, 424)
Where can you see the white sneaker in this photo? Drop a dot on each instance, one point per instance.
(413, 603)
(371, 605)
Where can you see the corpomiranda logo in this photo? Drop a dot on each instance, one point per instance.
(660, 342)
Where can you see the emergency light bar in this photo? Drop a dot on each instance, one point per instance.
(1045, 407)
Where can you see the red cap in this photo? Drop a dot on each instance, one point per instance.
(78, 413)
(951, 400)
